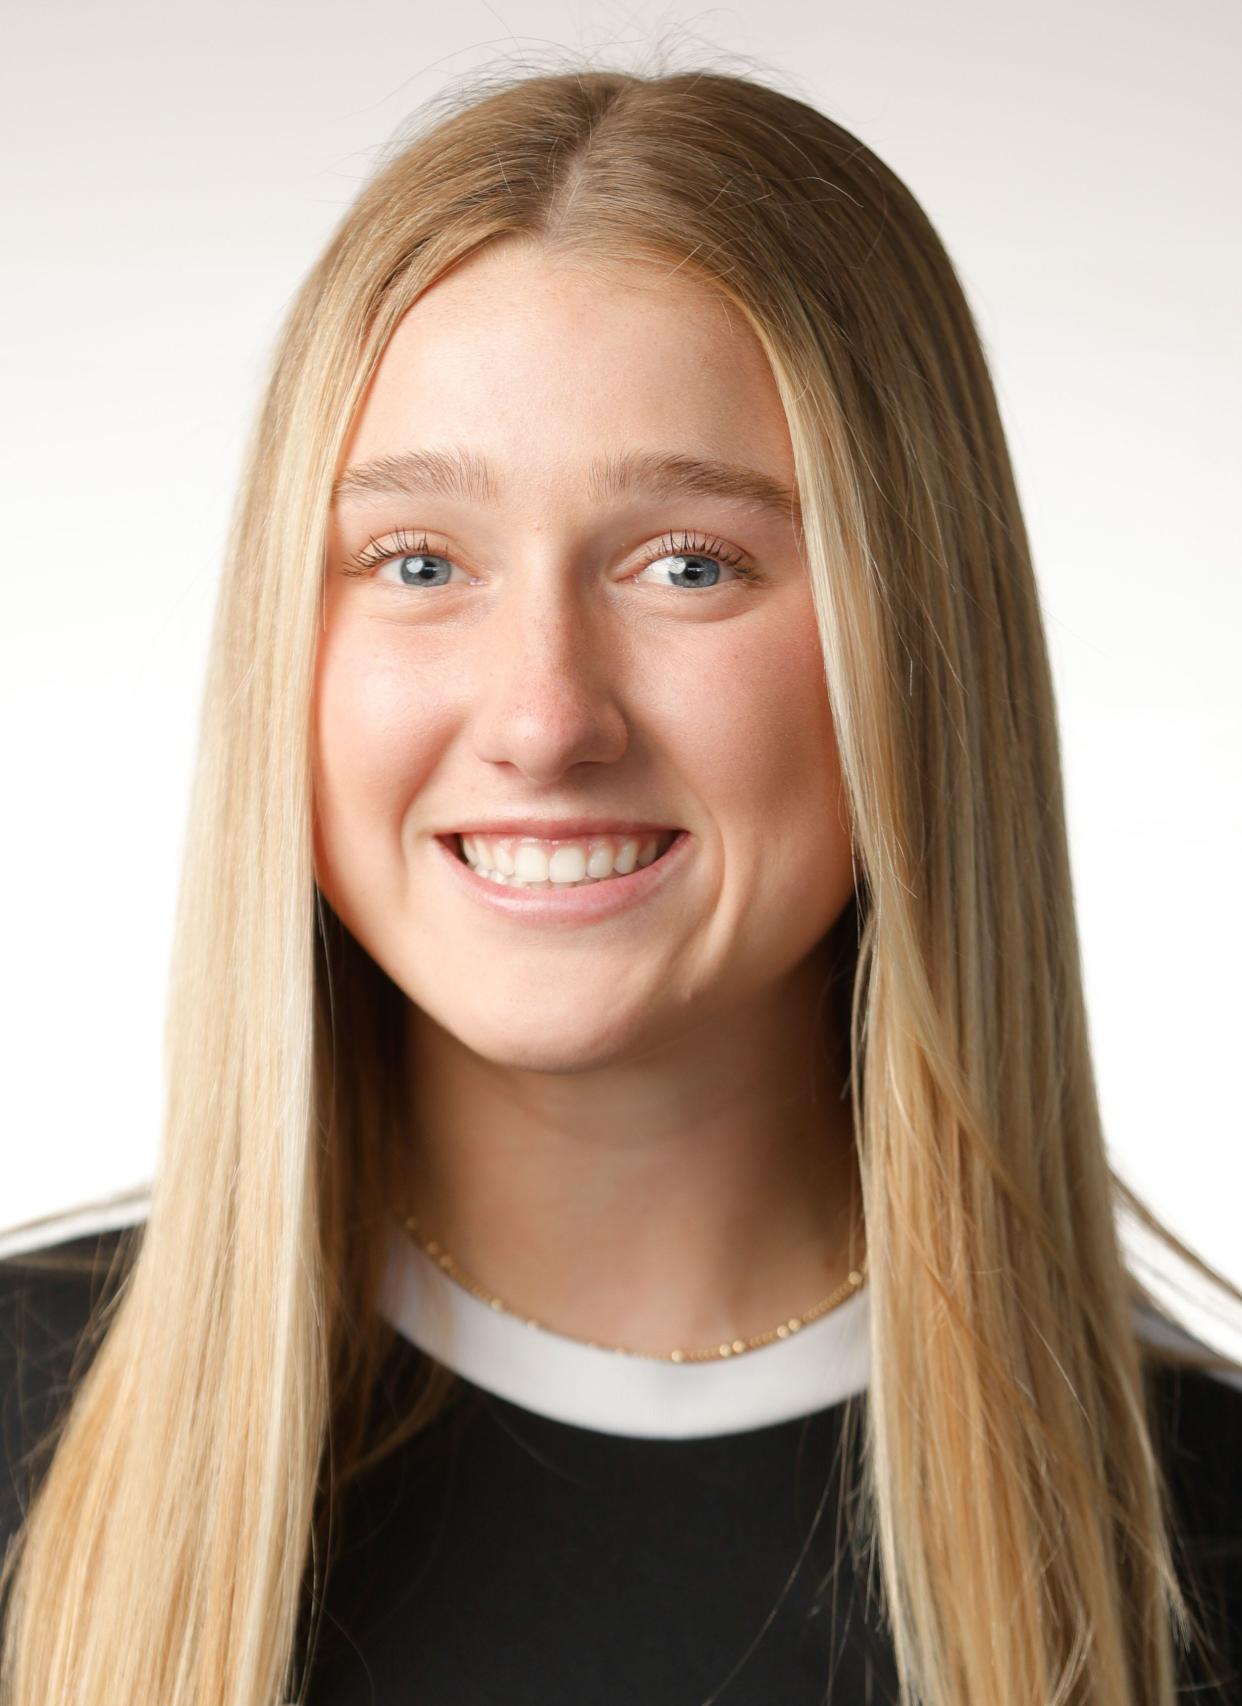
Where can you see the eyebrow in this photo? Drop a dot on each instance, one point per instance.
(463, 474)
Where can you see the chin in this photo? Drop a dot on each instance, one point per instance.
(546, 1041)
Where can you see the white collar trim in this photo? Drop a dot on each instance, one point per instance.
(570, 1381)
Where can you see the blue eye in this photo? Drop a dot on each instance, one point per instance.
(413, 556)
(691, 570)
(693, 554)
(422, 568)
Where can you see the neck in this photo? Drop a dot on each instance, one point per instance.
(700, 1193)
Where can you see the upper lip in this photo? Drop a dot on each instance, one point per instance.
(550, 829)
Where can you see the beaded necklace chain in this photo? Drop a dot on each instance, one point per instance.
(730, 1348)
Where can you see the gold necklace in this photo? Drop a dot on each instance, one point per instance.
(731, 1348)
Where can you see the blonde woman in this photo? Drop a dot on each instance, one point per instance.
(633, 1223)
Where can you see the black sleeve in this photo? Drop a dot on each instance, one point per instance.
(1198, 1432)
(48, 1298)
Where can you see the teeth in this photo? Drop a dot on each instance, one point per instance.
(519, 862)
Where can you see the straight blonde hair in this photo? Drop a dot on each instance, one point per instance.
(1012, 1499)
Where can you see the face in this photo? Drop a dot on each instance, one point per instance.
(548, 647)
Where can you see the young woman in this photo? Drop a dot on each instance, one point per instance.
(633, 1222)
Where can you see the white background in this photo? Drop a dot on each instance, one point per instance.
(171, 173)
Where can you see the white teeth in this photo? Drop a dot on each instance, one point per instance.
(531, 865)
(522, 863)
(567, 865)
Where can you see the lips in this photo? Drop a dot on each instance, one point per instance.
(550, 904)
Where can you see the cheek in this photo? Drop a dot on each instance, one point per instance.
(768, 769)
(765, 730)
(372, 746)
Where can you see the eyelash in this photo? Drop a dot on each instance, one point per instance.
(403, 544)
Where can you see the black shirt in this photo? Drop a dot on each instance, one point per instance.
(504, 1556)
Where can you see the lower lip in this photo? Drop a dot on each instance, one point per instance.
(571, 904)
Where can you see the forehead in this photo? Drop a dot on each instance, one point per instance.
(546, 364)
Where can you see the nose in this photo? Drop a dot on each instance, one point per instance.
(548, 676)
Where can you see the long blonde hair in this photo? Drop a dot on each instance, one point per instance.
(1014, 1501)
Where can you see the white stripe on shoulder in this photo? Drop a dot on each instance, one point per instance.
(1160, 1329)
(78, 1222)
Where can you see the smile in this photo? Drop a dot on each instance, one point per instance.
(517, 861)
(638, 868)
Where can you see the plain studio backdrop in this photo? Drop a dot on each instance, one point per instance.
(172, 171)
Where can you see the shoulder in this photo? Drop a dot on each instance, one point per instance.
(1196, 1417)
(1197, 1432)
(54, 1294)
